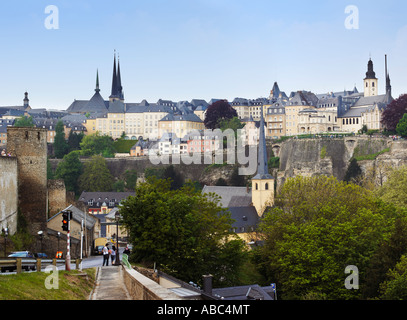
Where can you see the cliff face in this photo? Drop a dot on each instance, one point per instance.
(310, 157)
(307, 157)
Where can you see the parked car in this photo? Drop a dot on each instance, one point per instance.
(40, 255)
(21, 254)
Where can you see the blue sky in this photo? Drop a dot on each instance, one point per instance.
(196, 49)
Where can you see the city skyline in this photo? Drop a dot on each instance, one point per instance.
(203, 49)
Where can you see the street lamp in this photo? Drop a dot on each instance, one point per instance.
(5, 231)
(40, 234)
(117, 218)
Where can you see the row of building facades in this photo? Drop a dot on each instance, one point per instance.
(301, 112)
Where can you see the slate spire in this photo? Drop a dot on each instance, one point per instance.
(262, 166)
(114, 93)
(97, 81)
(119, 81)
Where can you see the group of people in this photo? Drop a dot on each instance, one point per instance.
(4, 154)
(112, 253)
(108, 252)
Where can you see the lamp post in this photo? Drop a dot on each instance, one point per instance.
(59, 236)
(117, 218)
(5, 231)
(40, 234)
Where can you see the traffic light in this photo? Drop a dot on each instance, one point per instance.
(66, 216)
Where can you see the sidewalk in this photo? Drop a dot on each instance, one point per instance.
(109, 284)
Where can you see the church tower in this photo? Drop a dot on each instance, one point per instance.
(117, 89)
(263, 182)
(371, 82)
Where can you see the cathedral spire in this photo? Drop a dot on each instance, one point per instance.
(119, 81)
(97, 81)
(388, 84)
(114, 79)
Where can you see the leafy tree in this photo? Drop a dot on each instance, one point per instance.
(118, 186)
(50, 173)
(24, 121)
(396, 287)
(130, 179)
(96, 144)
(74, 140)
(179, 228)
(318, 227)
(70, 169)
(61, 147)
(96, 176)
(394, 112)
(394, 189)
(385, 258)
(217, 112)
(402, 126)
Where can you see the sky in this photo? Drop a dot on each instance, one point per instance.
(181, 50)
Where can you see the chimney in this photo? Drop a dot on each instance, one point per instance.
(207, 284)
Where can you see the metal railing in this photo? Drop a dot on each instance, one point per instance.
(20, 264)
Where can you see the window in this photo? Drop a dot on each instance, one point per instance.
(257, 186)
(267, 186)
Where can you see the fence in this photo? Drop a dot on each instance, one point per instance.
(20, 264)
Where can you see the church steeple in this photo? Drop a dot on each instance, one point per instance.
(97, 82)
(263, 182)
(370, 82)
(114, 93)
(388, 84)
(119, 81)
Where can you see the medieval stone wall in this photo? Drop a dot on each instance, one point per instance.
(29, 145)
(8, 194)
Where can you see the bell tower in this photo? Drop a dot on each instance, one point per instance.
(371, 82)
(263, 182)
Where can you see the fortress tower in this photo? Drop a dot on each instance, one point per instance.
(29, 145)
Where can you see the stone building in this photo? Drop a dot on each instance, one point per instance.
(8, 194)
(29, 146)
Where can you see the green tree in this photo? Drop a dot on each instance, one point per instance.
(318, 227)
(74, 140)
(394, 189)
(96, 144)
(402, 126)
(24, 122)
(96, 176)
(179, 228)
(130, 179)
(61, 147)
(396, 287)
(70, 169)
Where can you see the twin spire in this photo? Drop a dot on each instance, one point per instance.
(117, 89)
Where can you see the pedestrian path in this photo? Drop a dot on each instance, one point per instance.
(109, 284)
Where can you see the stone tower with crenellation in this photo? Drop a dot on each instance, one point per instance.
(29, 145)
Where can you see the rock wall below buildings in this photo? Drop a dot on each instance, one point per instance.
(307, 157)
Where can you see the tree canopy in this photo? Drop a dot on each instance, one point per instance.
(183, 231)
(96, 176)
(24, 122)
(96, 144)
(61, 147)
(318, 227)
(69, 169)
(217, 112)
(394, 112)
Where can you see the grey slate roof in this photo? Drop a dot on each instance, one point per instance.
(250, 292)
(231, 196)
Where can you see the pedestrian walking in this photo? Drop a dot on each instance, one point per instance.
(113, 254)
(105, 252)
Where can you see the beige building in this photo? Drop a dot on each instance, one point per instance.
(275, 119)
(180, 125)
